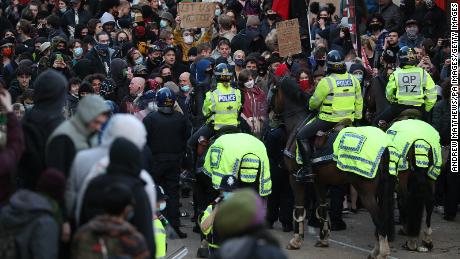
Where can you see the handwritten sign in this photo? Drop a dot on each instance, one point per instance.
(288, 37)
(196, 15)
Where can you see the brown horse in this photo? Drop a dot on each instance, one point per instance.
(416, 193)
(376, 194)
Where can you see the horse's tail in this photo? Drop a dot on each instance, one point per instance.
(418, 187)
(385, 195)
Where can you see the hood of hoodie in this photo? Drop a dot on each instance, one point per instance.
(90, 107)
(127, 126)
(107, 17)
(50, 91)
(125, 158)
(116, 70)
(23, 206)
(201, 67)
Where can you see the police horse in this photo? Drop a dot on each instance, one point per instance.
(376, 194)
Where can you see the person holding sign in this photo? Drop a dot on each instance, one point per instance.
(409, 87)
(337, 97)
(185, 38)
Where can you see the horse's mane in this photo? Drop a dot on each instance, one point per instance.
(292, 91)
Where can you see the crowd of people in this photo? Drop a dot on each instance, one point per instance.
(103, 101)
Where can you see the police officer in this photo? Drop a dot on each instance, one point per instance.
(337, 96)
(221, 106)
(409, 87)
(159, 223)
(167, 133)
(227, 185)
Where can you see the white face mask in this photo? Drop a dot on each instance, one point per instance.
(188, 39)
(162, 206)
(249, 84)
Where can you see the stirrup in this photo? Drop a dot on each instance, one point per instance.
(303, 177)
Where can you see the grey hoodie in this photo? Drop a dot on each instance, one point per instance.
(39, 237)
(73, 135)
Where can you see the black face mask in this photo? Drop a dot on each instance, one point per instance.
(375, 27)
(320, 62)
(271, 16)
(167, 78)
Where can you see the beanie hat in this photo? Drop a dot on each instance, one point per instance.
(356, 66)
(242, 211)
(52, 183)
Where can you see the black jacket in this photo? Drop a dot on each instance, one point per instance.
(167, 134)
(124, 168)
(68, 18)
(97, 61)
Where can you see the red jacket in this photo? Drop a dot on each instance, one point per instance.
(254, 108)
(281, 7)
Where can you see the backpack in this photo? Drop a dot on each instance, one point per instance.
(94, 246)
(8, 234)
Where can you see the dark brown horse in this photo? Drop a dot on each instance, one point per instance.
(416, 194)
(376, 194)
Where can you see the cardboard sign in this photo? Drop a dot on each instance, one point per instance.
(196, 15)
(288, 37)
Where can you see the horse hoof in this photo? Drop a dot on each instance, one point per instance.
(428, 245)
(322, 244)
(422, 249)
(291, 247)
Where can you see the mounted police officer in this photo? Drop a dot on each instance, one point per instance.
(221, 106)
(167, 132)
(337, 96)
(409, 87)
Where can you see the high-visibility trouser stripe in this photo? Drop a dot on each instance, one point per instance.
(233, 111)
(213, 246)
(413, 103)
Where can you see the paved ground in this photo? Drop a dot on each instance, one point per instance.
(355, 242)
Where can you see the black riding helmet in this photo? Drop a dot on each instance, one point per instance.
(335, 62)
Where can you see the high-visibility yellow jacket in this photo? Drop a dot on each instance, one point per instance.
(160, 239)
(338, 97)
(222, 106)
(241, 155)
(411, 86)
(359, 150)
(424, 137)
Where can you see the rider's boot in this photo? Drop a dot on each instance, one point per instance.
(305, 174)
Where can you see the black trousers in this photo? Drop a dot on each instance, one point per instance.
(280, 202)
(167, 175)
(336, 194)
(452, 191)
(309, 131)
(392, 111)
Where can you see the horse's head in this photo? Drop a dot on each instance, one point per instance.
(276, 99)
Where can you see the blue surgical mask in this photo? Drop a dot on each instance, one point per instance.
(62, 10)
(217, 12)
(359, 77)
(102, 47)
(162, 206)
(130, 215)
(226, 195)
(239, 62)
(163, 24)
(139, 61)
(185, 88)
(77, 52)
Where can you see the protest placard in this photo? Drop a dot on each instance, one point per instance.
(196, 15)
(288, 37)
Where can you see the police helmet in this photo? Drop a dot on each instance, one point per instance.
(165, 100)
(406, 56)
(223, 73)
(335, 62)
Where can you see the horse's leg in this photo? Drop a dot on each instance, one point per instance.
(427, 240)
(321, 214)
(298, 213)
(381, 248)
